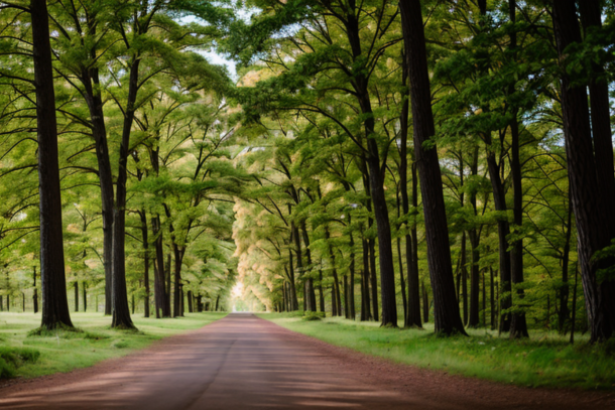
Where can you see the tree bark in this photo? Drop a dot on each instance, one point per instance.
(34, 294)
(53, 280)
(446, 309)
(365, 308)
(144, 238)
(309, 283)
(588, 203)
(518, 325)
(121, 312)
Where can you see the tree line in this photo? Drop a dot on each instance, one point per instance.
(510, 160)
(425, 160)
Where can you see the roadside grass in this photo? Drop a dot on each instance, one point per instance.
(545, 360)
(24, 353)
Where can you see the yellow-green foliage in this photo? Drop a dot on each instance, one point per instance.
(62, 351)
(545, 360)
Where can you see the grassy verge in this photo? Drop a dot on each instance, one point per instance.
(62, 351)
(545, 360)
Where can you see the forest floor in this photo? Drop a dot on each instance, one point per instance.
(63, 351)
(244, 362)
(545, 360)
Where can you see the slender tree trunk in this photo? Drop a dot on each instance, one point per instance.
(121, 314)
(309, 283)
(91, 83)
(76, 288)
(589, 205)
(402, 282)
(446, 310)
(293, 290)
(492, 294)
(168, 283)
(53, 280)
(353, 313)
(144, 238)
(160, 296)
(373, 278)
(412, 307)
(564, 312)
(179, 256)
(425, 304)
(464, 277)
(321, 293)
(34, 294)
(473, 321)
(518, 325)
(376, 177)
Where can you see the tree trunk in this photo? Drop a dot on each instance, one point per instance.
(121, 313)
(76, 288)
(446, 309)
(564, 290)
(518, 325)
(352, 313)
(293, 289)
(53, 280)
(321, 294)
(160, 296)
(425, 304)
(376, 180)
(591, 18)
(464, 278)
(473, 320)
(365, 308)
(144, 238)
(309, 283)
(34, 294)
(589, 204)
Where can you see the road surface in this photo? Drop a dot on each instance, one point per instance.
(243, 362)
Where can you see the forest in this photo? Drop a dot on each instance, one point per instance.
(403, 162)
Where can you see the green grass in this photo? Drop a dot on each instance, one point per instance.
(62, 351)
(546, 360)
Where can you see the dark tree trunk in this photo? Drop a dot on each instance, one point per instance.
(293, 290)
(518, 325)
(591, 17)
(160, 295)
(168, 283)
(473, 320)
(76, 287)
(376, 177)
(309, 283)
(217, 302)
(412, 249)
(492, 294)
(346, 301)
(53, 280)
(373, 278)
(446, 309)
(464, 278)
(589, 204)
(336, 281)
(34, 294)
(564, 290)
(365, 300)
(190, 302)
(177, 280)
(412, 307)
(298, 251)
(321, 293)
(121, 313)
(425, 304)
(353, 313)
(144, 238)
(91, 83)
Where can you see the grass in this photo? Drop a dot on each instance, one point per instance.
(546, 360)
(24, 353)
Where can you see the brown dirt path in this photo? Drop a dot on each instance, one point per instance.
(243, 362)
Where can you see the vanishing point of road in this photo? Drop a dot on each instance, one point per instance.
(244, 362)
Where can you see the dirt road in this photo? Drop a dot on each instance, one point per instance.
(243, 362)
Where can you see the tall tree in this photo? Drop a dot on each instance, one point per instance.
(55, 304)
(446, 309)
